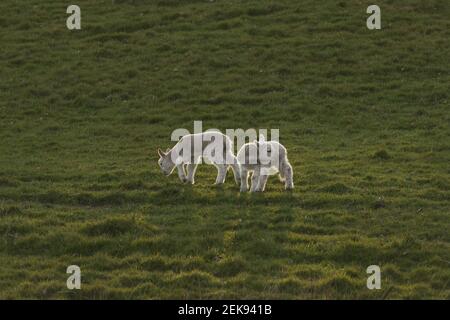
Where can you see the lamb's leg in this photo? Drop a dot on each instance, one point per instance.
(289, 174)
(236, 170)
(221, 173)
(244, 179)
(255, 180)
(181, 173)
(191, 168)
(262, 183)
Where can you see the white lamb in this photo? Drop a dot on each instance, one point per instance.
(264, 158)
(212, 146)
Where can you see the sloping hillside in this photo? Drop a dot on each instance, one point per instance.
(364, 115)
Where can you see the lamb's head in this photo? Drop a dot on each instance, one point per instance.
(165, 162)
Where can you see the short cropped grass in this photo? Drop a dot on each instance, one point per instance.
(364, 116)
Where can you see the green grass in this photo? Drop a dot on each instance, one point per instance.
(364, 115)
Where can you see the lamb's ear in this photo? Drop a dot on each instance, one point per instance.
(167, 150)
(161, 153)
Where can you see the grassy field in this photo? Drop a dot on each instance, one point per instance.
(364, 115)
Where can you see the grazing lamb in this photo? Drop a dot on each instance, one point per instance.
(212, 146)
(264, 158)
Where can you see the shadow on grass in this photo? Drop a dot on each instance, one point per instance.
(199, 195)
